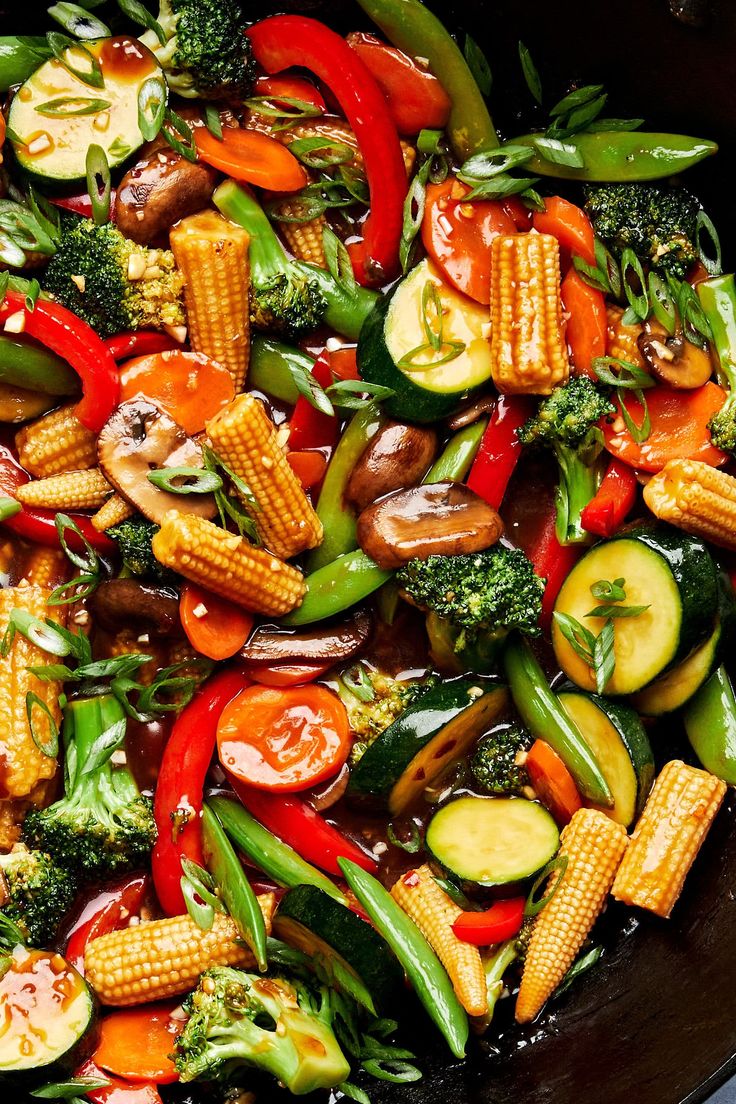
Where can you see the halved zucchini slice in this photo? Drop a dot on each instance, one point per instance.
(665, 569)
(617, 738)
(492, 840)
(426, 739)
(358, 958)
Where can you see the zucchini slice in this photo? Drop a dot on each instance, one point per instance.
(55, 116)
(668, 570)
(46, 1009)
(353, 952)
(429, 736)
(492, 840)
(395, 328)
(617, 738)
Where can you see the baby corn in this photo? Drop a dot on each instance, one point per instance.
(45, 567)
(116, 510)
(697, 498)
(228, 565)
(434, 913)
(212, 253)
(528, 349)
(56, 443)
(668, 836)
(594, 846)
(621, 340)
(74, 490)
(304, 239)
(245, 438)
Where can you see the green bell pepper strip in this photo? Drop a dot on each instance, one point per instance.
(347, 307)
(456, 459)
(424, 970)
(710, 723)
(20, 58)
(26, 364)
(268, 370)
(337, 518)
(225, 867)
(718, 299)
(545, 718)
(412, 27)
(623, 155)
(267, 852)
(337, 586)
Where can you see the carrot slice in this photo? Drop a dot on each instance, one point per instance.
(552, 782)
(308, 465)
(191, 387)
(251, 156)
(135, 1043)
(679, 428)
(586, 326)
(284, 739)
(343, 362)
(569, 224)
(214, 627)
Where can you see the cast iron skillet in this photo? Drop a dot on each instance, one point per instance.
(655, 1022)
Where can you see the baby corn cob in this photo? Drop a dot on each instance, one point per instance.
(212, 253)
(528, 349)
(56, 443)
(164, 958)
(697, 498)
(304, 239)
(74, 490)
(228, 565)
(244, 436)
(668, 836)
(621, 340)
(434, 913)
(594, 846)
(45, 567)
(24, 764)
(116, 510)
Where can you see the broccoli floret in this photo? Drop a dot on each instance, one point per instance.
(102, 825)
(134, 538)
(567, 422)
(238, 1019)
(657, 222)
(36, 893)
(382, 699)
(206, 54)
(473, 602)
(100, 275)
(497, 766)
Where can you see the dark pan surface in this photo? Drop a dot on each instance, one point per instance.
(655, 1022)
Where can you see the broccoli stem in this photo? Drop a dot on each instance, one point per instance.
(577, 485)
(267, 257)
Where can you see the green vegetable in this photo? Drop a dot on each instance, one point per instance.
(226, 869)
(566, 422)
(337, 586)
(423, 968)
(495, 767)
(347, 307)
(38, 893)
(266, 851)
(497, 960)
(656, 221)
(270, 367)
(238, 1021)
(102, 825)
(710, 724)
(20, 57)
(25, 364)
(455, 460)
(543, 715)
(718, 300)
(111, 302)
(621, 155)
(381, 701)
(134, 538)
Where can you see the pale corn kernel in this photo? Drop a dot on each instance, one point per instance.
(697, 498)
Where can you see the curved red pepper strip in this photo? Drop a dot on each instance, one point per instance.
(139, 343)
(615, 499)
(77, 343)
(295, 822)
(499, 449)
(552, 561)
(501, 921)
(117, 1091)
(310, 428)
(81, 204)
(105, 912)
(180, 786)
(286, 40)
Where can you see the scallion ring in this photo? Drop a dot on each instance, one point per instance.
(638, 300)
(77, 21)
(99, 184)
(185, 481)
(151, 107)
(65, 50)
(663, 305)
(50, 745)
(39, 633)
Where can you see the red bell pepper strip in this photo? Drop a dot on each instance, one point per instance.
(501, 921)
(280, 89)
(71, 338)
(295, 822)
(310, 428)
(140, 343)
(286, 40)
(499, 449)
(117, 1091)
(415, 97)
(107, 911)
(586, 324)
(615, 499)
(177, 803)
(570, 225)
(39, 525)
(81, 204)
(552, 561)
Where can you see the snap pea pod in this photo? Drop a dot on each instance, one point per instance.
(546, 719)
(25, 364)
(225, 867)
(413, 28)
(718, 299)
(337, 586)
(268, 370)
(710, 723)
(347, 308)
(621, 155)
(19, 57)
(424, 970)
(266, 851)
(456, 458)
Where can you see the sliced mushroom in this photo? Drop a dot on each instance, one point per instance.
(437, 519)
(340, 640)
(161, 188)
(673, 359)
(138, 439)
(398, 456)
(132, 604)
(472, 412)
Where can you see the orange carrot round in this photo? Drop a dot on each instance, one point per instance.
(135, 1043)
(215, 627)
(251, 156)
(308, 465)
(191, 387)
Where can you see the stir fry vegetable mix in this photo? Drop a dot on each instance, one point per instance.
(330, 419)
